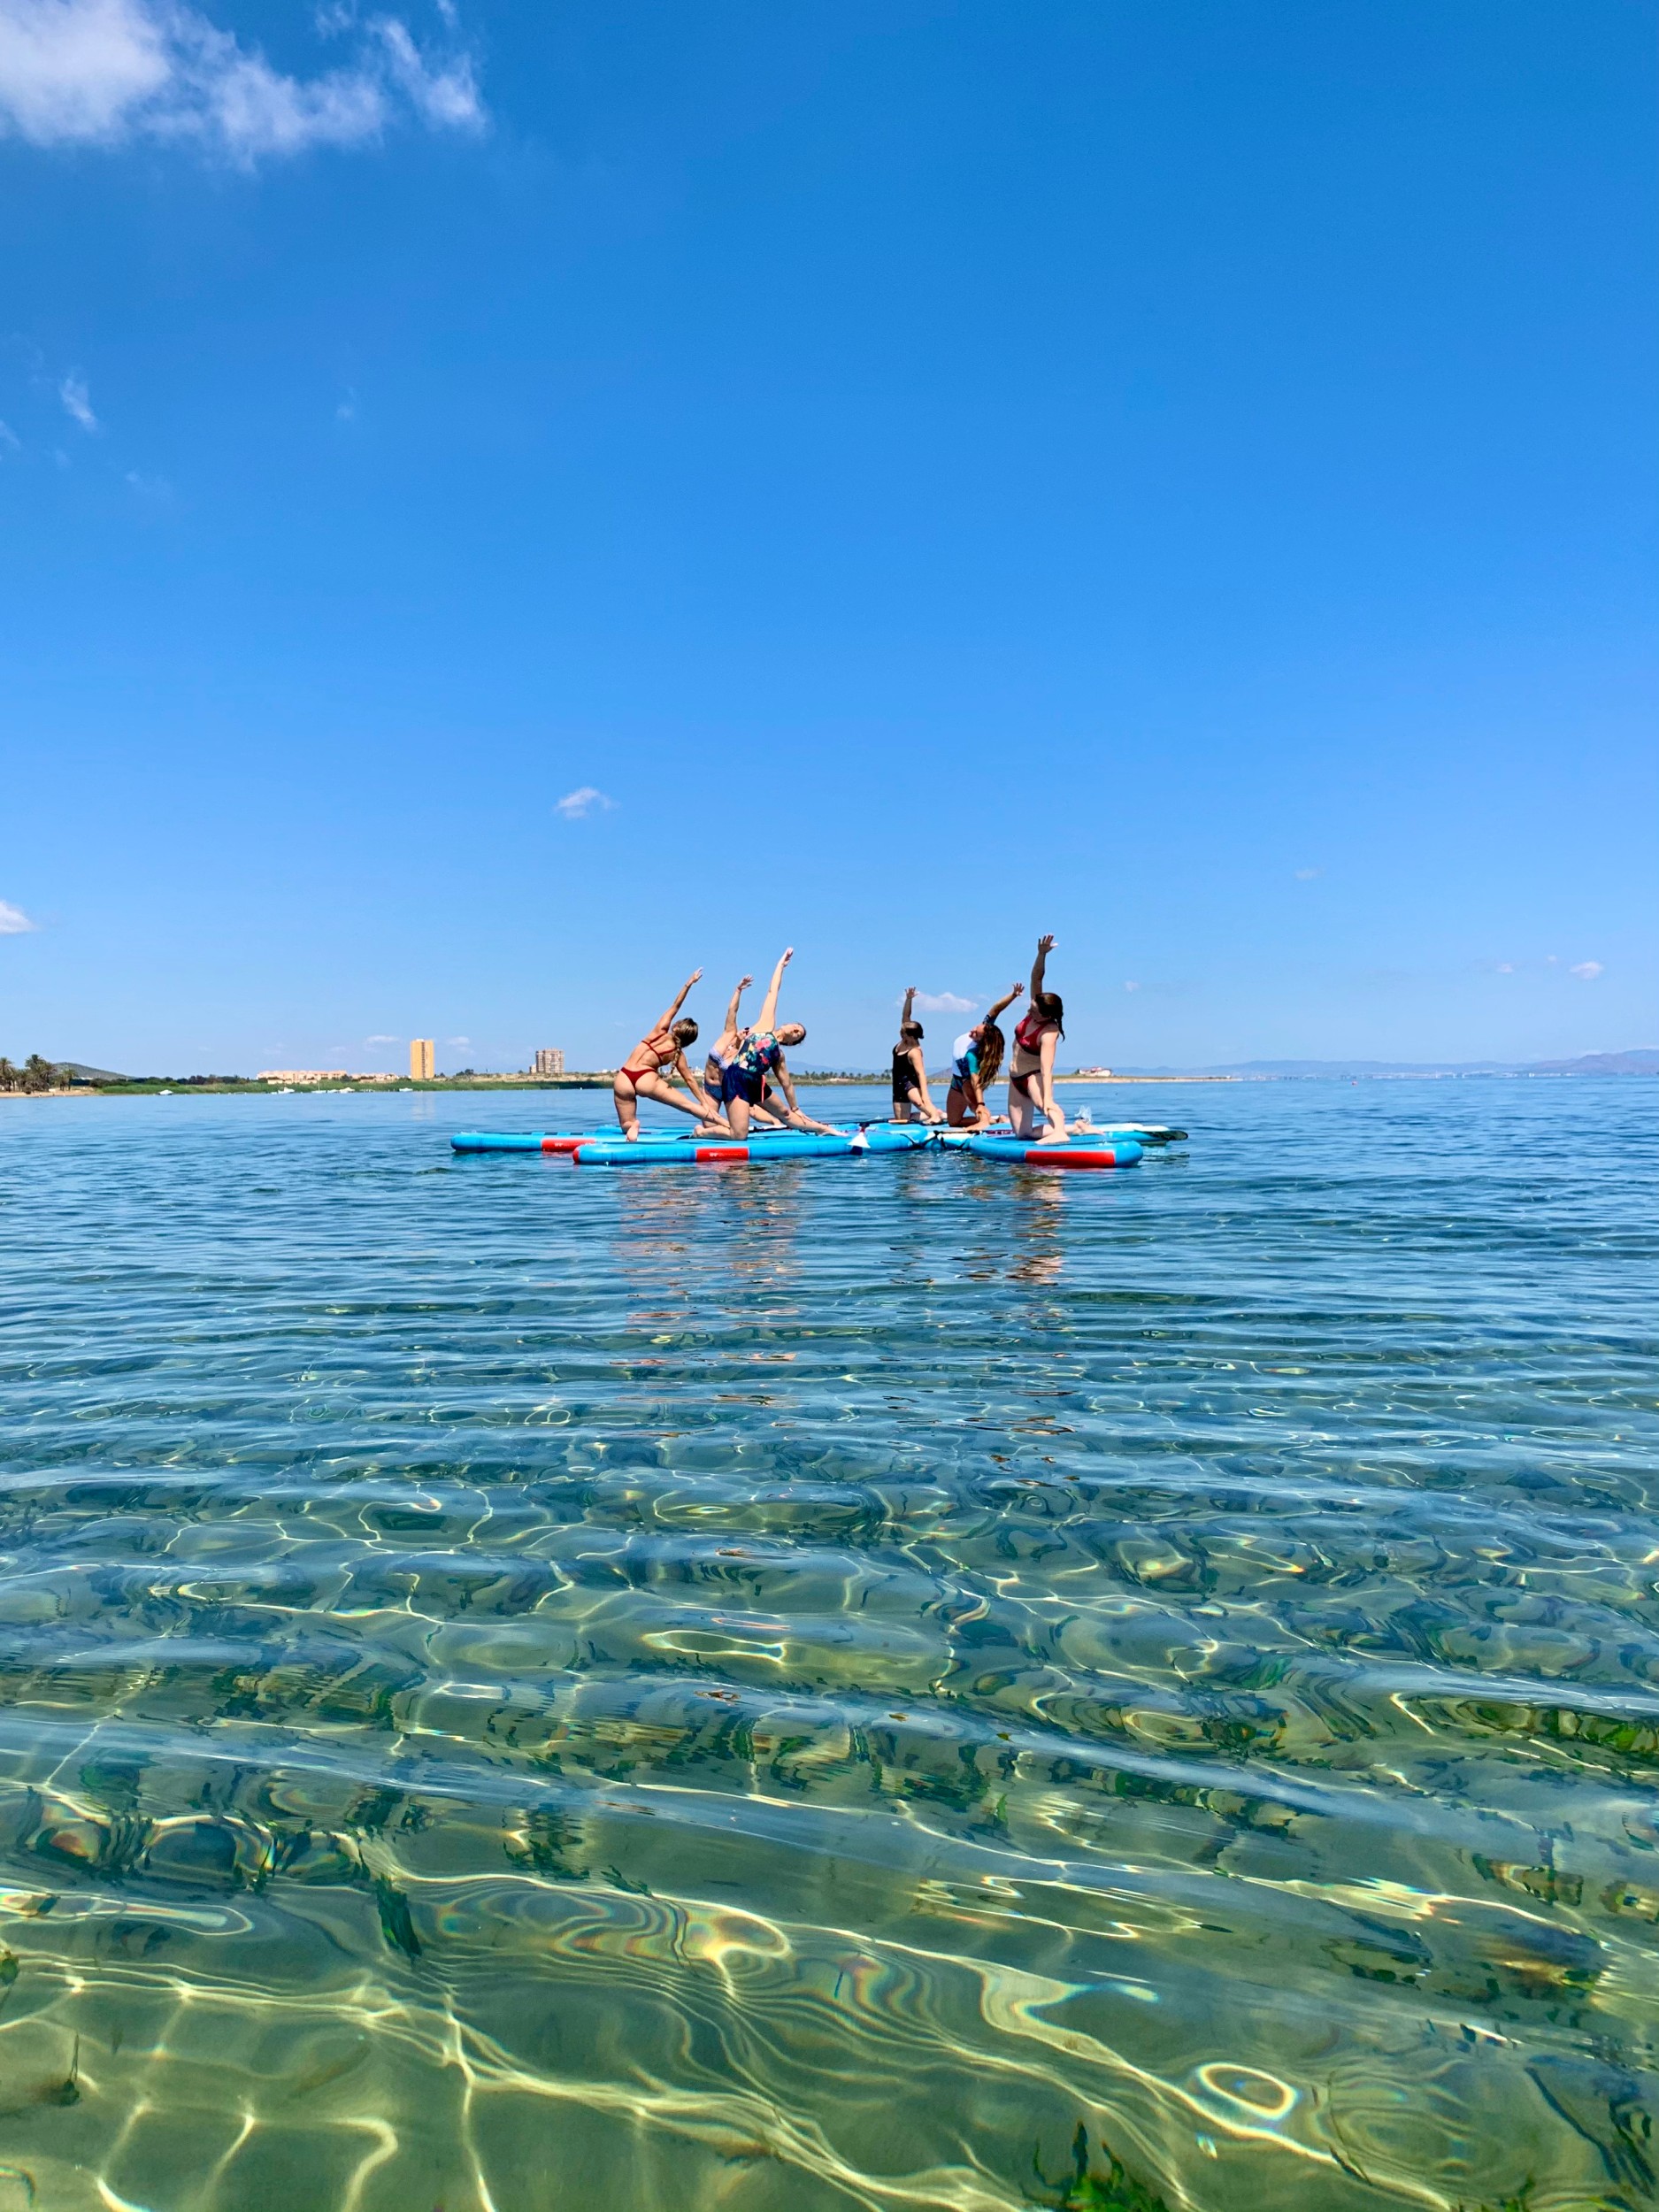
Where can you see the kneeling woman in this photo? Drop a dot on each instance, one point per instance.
(1031, 1070)
(663, 1052)
(909, 1069)
(976, 1060)
(720, 1057)
(757, 1055)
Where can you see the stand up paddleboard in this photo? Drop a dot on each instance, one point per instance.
(1086, 1148)
(1080, 1152)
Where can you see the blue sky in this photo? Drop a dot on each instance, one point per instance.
(1179, 477)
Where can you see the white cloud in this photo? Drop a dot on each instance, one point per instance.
(347, 411)
(1506, 967)
(448, 98)
(100, 71)
(381, 1040)
(72, 391)
(1131, 987)
(575, 806)
(1586, 970)
(944, 1003)
(458, 1040)
(13, 921)
(10, 441)
(1307, 875)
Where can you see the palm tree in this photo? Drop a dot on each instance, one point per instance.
(38, 1074)
(8, 1075)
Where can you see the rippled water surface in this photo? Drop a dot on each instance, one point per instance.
(893, 1683)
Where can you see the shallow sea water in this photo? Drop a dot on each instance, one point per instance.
(893, 1683)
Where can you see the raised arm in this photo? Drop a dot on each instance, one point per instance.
(1003, 1003)
(731, 1011)
(666, 1021)
(693, 1082)
(768, 1016)
(910, 1008)
(1045, 946)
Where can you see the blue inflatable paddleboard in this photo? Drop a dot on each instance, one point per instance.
(1080, 1152)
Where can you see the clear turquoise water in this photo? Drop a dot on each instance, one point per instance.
(891, 1683)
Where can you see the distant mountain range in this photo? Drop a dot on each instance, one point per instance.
(1642, 1062)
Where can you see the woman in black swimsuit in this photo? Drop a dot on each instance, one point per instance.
(910, 1069)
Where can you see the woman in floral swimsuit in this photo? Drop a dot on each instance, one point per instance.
(757, 1056)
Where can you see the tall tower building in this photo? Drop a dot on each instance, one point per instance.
(420, 1060)
(549, 1060)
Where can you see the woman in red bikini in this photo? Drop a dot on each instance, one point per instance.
(1030, 1070)
(642, 1074)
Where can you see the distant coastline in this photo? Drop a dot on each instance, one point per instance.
(1620, 1067)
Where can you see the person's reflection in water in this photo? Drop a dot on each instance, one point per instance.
(1039, 1223)
(758, 1235)
(683, 1231)
(662, 1230)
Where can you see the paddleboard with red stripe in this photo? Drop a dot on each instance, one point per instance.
(1079, 1153)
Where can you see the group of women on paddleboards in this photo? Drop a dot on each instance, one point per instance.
(977, 1059)
(746, 1079)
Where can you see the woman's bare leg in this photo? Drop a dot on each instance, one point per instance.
(652, 1087)
(737, 1114)
(1022, 1112)
(623, 1098)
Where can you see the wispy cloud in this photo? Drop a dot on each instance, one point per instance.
(1587, 970)
(72, 391)
(1506, 967)
(458, 1040)
(102, 72)
(1131, 987)
(13, 921)
(10, 443)
(944, 1003)
(381, 1040)
(1307, 875)
(575, 806)
(347, 410)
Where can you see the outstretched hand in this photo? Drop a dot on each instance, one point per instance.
(1018, 991)
(788, 955)
(696, 976)
(745, 982)
(1045, 944)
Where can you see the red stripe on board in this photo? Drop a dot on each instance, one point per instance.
(1052, 1156)
(714, 1154)
(562, 1144)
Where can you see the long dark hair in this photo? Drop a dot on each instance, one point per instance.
(1050, 1007)
(993, 1044)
